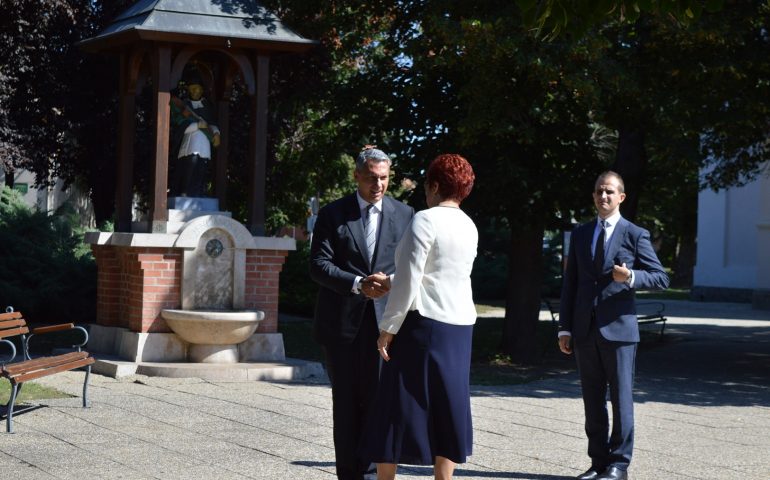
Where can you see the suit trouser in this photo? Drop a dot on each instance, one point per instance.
(353, 370)
(603, 363)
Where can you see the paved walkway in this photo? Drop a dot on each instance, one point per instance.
(703, 412)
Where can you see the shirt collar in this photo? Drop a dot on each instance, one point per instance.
(612, 219)
(362, 204)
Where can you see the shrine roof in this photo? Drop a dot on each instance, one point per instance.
(224, 23)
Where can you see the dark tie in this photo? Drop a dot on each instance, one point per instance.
(370, 231)
(599, 251)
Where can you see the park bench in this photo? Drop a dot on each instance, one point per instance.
(646, 313)
(12, 324)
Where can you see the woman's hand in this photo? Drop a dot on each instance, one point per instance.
(383, 343)
(376, 285)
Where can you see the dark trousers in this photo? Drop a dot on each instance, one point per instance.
(190, 177)
(353, 371)
(605, 364)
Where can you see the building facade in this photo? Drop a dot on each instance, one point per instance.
(733, 260)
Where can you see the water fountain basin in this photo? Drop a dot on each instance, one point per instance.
(213, 327)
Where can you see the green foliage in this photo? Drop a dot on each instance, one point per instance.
(553, 18)
(45, 273)
(297, 290)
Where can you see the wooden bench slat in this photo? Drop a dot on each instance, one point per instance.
(12, 332)
(53, 328)
(15, 322)
(9, 316)
(42, 362)
(49, 371)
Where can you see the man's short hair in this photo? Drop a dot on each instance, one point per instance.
(370, 154)
(610, 173)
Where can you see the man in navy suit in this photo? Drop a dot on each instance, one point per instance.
(353, 238)
(609, 259)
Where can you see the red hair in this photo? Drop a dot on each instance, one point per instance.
(453, 175)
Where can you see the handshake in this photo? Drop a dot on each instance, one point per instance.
(375, 285)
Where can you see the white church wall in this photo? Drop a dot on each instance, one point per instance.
(733, 259)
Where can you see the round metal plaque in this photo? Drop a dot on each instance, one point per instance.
(214, 248)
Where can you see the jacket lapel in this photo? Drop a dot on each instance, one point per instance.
(614, 244)
(356, 227)
(588, 234)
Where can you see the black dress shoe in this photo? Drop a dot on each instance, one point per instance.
(613, 473)
(589, 474)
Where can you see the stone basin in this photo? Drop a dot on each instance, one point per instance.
(213, 327)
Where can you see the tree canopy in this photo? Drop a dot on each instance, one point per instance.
(657, 90)
(552, 18)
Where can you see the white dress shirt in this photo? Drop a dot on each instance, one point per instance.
(434, 260)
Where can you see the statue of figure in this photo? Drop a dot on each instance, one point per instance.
(194, 131)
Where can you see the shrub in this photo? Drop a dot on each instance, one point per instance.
(45, 272)
(297, 290)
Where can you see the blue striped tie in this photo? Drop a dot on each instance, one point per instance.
(370, 229)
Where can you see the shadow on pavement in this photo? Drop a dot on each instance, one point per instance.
(707, 365)
(717, 357)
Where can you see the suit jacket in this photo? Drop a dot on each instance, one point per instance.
(615, 302)
(338, 256)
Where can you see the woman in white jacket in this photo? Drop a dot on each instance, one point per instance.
(421, 414)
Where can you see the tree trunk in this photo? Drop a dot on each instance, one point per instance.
(686, 251)
(630, 163)
(522, 303)
(9, 178)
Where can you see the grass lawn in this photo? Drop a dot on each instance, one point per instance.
(30, 391)
(488, 365)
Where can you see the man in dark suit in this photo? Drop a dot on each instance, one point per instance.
(353, 238)
(609, 259)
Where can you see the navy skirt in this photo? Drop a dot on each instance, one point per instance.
(422, 408)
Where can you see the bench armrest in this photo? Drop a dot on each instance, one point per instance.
(12, 347)
(53, 328)
(57, 328)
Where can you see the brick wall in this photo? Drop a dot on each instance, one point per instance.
(262, 270)
(136, 283)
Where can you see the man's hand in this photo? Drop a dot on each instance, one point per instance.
(620, 273)
(375, 285)
(216, 140)
(565, 344)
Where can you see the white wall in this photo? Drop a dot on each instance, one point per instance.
(50, 198)
(734, 237)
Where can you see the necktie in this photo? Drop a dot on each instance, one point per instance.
(599, 251)
(370, 231)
